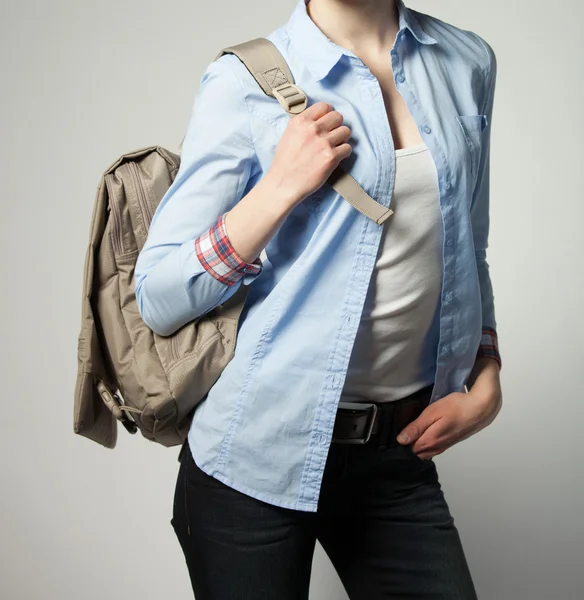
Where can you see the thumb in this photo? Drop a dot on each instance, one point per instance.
(410, 433)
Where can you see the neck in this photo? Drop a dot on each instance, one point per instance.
(366, 27)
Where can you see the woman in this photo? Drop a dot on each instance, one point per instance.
(352, 332)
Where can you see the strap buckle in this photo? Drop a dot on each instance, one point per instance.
(355, 408)
(113, 402)
(291, 97)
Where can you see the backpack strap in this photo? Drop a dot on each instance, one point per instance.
(269, 68)
(265, 62)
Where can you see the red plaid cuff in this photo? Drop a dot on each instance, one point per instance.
(218, 257)
(489, 346)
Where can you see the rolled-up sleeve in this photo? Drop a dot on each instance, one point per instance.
(176, 271)
(480, 217)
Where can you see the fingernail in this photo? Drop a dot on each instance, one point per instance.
(403, 438)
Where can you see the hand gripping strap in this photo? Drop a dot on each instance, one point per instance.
(269, 68)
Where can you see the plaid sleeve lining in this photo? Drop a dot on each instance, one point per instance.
(218, 257)
(489, 346)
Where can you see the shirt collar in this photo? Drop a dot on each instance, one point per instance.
(320, 53)
(408, 20)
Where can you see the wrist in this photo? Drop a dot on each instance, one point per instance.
(281, 191)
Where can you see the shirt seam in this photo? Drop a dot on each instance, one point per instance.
(486, 70)
(249, 114)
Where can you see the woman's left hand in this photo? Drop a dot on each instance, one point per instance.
(456, 416)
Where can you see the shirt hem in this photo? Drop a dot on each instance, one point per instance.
(302, 506)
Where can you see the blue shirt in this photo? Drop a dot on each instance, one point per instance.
(266, 425)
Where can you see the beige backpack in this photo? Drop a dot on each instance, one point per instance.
(126, 372)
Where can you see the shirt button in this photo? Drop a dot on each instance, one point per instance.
(427, 129)
(447, 185)
(448, 297)
(448, 243)
(445, 349)
(401, 78)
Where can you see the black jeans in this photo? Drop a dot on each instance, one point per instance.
(382, 519)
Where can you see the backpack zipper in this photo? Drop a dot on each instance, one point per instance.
(116, 232)
(173, 347)
(147, 215)
(142, 200)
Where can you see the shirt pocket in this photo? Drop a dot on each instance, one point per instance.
(473, 127)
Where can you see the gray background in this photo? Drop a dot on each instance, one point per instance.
(83, 82)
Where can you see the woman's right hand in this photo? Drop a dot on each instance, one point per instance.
(311, 147)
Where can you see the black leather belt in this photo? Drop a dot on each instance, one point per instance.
(378, 423)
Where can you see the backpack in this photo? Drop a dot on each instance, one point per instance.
(126, 372)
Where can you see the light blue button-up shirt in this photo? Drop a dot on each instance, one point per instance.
(266, 425)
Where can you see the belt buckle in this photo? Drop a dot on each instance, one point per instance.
(358, 406)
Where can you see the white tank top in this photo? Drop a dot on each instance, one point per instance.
(394, 353)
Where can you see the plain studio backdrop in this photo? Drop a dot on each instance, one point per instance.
(82, 83)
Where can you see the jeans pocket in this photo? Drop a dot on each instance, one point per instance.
(410, 453)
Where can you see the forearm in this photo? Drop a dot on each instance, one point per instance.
(254, 221)
(213, 264)
(178, 290)
(484, 381)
